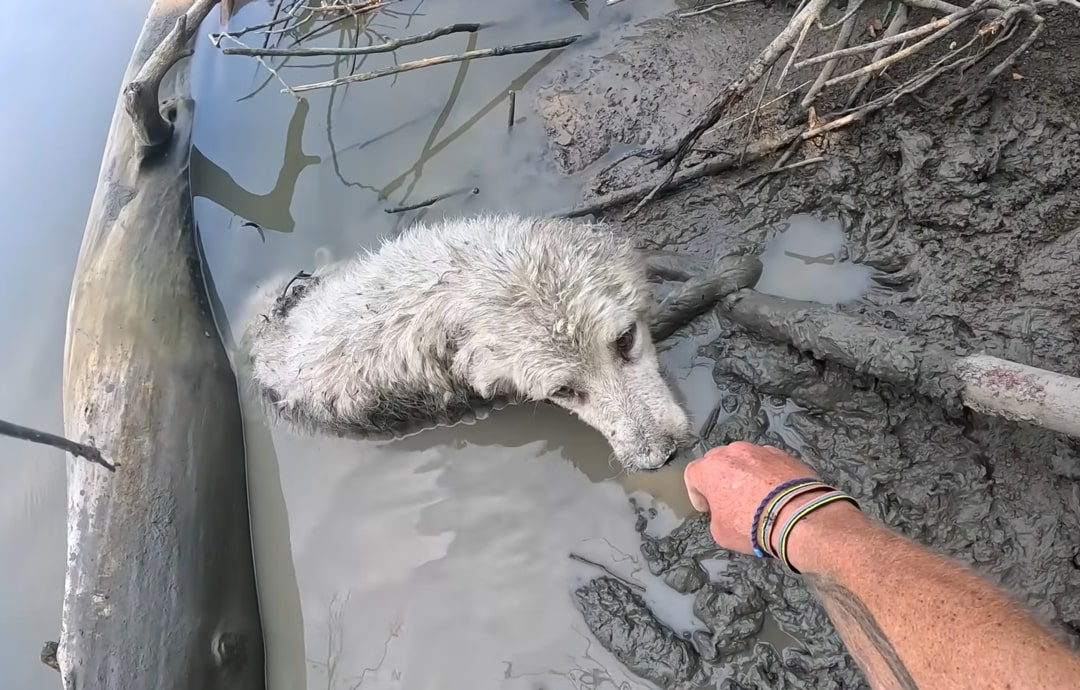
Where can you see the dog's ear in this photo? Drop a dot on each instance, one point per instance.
(487, 374)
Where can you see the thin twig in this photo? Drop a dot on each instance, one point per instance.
(842, 20)
(216, 37)
(608, 571)
(387, 47)
(712, 8)
(266, 65)
(886, 40)
(432, 200)
(442, 60)
(880, 65)
(729, 96)
(755, 152)
(757, 112)
(810, 19)
(842, 39)
(782, 168)
(1004, 64)
(787, 155)
(510, 115)
(79, 450)
(895, 26)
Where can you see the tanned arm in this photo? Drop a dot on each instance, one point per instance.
(911, 618)
(916, 620)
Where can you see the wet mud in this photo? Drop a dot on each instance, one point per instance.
(968, 226)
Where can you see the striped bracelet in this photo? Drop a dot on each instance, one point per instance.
(773, 510)
(785, 531)
(754, 524)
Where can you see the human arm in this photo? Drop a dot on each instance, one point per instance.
(910, 618)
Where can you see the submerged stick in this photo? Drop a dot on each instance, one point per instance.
(79, 450)
(606, 570)
(441, 60)
(433, 200)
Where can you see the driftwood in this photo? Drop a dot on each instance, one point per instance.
(982, 383)
(160, 589)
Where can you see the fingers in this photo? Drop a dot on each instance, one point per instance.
(697, 476)
(697, 499)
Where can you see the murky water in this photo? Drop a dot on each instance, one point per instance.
(436, 561)
(441, 560)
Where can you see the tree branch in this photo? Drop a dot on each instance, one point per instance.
(441, 60)
(141, 94)
(387, 47)
(79, 450)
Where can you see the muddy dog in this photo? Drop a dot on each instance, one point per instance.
(447, 316)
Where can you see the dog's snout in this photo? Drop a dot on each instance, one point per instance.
(673, 454)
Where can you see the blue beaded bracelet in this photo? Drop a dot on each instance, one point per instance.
(758, 550)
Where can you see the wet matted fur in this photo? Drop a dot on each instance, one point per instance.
(449, 315)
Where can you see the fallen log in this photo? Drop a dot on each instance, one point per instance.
(160, 588)
(983, 383)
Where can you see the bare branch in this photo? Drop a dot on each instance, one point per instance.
(783, 168)
(879, 65)
(754, 152)
(442, 60)
(827, 71)
(79, 450)
(886, 40)
(713, 8)
(387, 47)
(433, 200)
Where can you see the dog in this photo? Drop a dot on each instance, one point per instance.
(448, 317)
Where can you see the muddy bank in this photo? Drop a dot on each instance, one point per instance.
(969, 224)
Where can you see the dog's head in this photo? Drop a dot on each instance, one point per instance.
(571, 326)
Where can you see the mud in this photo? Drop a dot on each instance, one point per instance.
(970, 224)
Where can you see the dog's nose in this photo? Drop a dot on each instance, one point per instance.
(672, 455)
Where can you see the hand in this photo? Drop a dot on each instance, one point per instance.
(730, 482)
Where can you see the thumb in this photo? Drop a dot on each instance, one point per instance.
(697, 499)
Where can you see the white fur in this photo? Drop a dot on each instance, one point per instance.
(448, 316)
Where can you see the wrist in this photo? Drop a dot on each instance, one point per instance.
(817, 541)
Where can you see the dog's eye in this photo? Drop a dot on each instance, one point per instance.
(564, 393)
(625, 342)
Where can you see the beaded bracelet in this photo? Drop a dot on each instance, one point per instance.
(785, 531)
(754, 543)
(773, 510)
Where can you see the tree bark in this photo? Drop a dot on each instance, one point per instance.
(160, 589)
